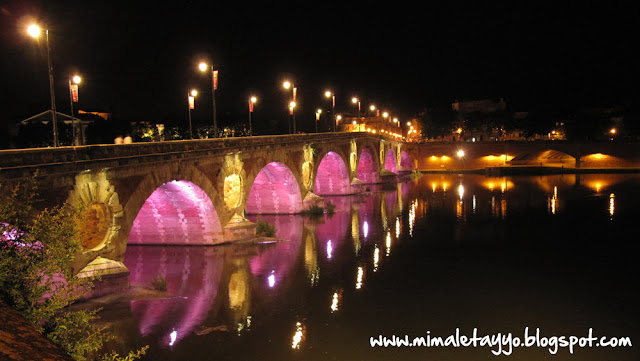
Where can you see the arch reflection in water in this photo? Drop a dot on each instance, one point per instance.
(199, 280)
(193, 274)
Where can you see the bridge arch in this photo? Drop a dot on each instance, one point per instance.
(176, 213)
(546, 157)
(407, 161)
(368, 170)
(390, 162)
(274, 190)
(332, 175)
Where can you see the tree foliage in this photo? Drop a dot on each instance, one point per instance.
(36, 279)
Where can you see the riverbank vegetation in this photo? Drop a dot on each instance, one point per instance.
(36, 279)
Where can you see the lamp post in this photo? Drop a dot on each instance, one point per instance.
(73, 98)
(34, 31)
(355, 100)
(191, 100)
(292, 107)
(252, 101)
(330, 94)
(318, 112)
(214, 86)
(288, 85)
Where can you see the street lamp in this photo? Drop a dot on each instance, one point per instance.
(73, 97)
(214, 86)
(318, 112)
(288, 85)
(329, 94)
(34, 31)
(355, 100)
(191, 97)
(252, 101)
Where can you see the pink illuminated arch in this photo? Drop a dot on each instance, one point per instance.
(274, 191)
(407, 161)
(390, 161)
(332, 177)
(367, 167)
(177, 213)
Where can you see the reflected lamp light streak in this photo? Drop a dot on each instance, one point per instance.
(298, 336)
(271, 279)
(359, 277)
(365, 229)
(334, 302)
(612, 204)
(388, 243)
(329, 249)
(376, 258)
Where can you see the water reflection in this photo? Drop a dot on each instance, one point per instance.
(325, 266)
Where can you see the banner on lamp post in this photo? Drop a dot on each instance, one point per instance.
(74, 92)
(192, 102)
(250, 106)
(215, 80)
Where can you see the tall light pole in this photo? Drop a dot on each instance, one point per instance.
(318, 113)
(252, 101)
(330, 94)
(292, 105)
(214, 86)
(191, 100)
(292, 111)
(73, 98)
(34, 31)
(355, 100)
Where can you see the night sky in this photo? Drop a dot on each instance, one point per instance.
(138, 59)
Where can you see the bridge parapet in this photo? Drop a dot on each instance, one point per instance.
(20, 163)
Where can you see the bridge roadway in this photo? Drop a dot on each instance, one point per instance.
(196, 192)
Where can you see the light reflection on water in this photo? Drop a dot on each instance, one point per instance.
(395, 250)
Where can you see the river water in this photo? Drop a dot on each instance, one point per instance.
(422, 258)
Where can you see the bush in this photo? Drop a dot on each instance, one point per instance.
(331, 208)
(36, 277)
(265, 229)
(313, 211)
(159, 283)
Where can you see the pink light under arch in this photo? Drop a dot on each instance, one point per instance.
(390, 161)
(367, 167)
(407, 161)
(177, 213)
(332, 177)
(274, 191)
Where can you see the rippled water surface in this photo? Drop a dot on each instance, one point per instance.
(418, 258)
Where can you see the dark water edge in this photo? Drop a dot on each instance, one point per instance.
(444, 252)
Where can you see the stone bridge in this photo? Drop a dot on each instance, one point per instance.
(434, 156)
(197, 192)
